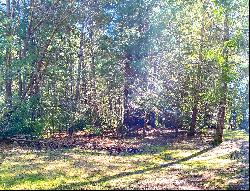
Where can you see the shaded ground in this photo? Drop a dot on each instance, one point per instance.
(162, 163)
(114, 145)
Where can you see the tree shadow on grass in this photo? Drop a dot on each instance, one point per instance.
(242, 174)
(123, 174)
(22, 178)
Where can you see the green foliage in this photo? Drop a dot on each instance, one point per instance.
(19, 122)
(175, 53)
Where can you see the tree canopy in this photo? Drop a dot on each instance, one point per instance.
(91, 64)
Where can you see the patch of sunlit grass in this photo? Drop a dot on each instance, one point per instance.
(216, 163)
(236, 134)
(38, 181)
(176, 154)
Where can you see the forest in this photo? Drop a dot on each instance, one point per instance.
(124, 94)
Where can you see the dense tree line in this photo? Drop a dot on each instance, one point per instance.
(90, 64)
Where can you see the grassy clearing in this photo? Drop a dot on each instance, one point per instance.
(173, 166)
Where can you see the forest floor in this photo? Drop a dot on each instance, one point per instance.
(158, 161)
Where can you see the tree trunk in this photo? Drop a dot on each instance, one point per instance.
(220, 123)
(206, 115)
(193, 120)
(145, 124)
(93, 100)
(222, 107)
(81, 57)
(19, 73)
(124, 101)
(8, 82)
(126, 89)
(26, 44)
(197, 84)
(8, 74)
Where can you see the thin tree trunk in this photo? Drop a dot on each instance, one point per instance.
(20, 82)
(223, 102)
(93, 101)
(26, 43)
(8, 81)
(195, 109)
(205, 119)
(193, 120)
(81, 58)
(126, 90)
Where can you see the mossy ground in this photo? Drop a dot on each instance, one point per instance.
(179, 165)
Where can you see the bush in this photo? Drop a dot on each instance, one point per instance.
(19, 122)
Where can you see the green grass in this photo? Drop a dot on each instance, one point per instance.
(85, 169)
(238, 134)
